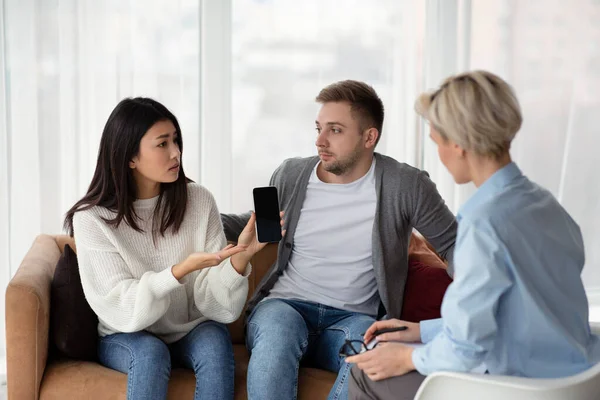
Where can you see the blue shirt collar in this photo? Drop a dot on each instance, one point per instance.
(494, 184)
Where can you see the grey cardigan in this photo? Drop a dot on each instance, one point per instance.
(406, 198)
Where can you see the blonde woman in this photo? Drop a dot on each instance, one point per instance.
(517, 304)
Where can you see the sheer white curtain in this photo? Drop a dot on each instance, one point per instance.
(67, 64)
(64, 65)
(550, 52)
(447, 49)
(4, 194)
(284, 52)
(242, 75)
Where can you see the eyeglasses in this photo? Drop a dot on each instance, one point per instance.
(354, 347)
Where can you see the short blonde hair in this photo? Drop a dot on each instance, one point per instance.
(476, 110)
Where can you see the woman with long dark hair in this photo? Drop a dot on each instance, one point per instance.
(154, 263)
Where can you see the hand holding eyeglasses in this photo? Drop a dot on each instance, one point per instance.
(384, 361)
(354, 347)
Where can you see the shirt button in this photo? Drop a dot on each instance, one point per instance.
(288, 245)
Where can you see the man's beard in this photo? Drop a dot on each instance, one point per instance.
(341, 167)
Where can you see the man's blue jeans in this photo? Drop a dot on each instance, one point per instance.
(282, 333)
(146, 360)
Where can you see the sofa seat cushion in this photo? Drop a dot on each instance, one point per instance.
(89, 380)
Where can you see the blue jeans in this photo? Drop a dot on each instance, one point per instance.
(146, 360)
(283, 333)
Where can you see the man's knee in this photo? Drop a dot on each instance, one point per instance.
(276, 327)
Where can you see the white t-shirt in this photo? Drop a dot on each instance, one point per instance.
(331, 261)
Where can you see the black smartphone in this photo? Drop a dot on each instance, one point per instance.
(266, 208)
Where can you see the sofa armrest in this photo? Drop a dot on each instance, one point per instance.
(27, 319)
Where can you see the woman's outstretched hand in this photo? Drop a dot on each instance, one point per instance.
(201, 260)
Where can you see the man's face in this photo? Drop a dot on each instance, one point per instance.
(340, 141)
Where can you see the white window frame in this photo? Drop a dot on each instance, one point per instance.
(5, 269)
(215, 100)
(447, 52)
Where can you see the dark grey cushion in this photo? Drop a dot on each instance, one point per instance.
(73, 324)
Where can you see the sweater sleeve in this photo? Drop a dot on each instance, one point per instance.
(220, 292)
(124, 303)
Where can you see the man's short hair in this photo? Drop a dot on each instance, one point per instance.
(364, 102)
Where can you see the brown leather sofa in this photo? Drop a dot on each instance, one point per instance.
(31, 376)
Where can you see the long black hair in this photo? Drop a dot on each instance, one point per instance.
(113, 185)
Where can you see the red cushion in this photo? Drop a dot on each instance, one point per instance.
(424, 292)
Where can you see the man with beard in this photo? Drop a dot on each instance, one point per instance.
(343, 261)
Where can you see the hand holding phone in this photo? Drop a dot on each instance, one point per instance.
(266, 209)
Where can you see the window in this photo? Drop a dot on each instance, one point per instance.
(557, 144)
(286, 51)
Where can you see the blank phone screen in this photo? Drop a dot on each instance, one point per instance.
(266, 208)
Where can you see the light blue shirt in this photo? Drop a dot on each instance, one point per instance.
(517, 303)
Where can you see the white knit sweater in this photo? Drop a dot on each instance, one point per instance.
(127, 279)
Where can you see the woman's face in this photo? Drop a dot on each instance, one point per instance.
(158, 160)
(452, 156)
